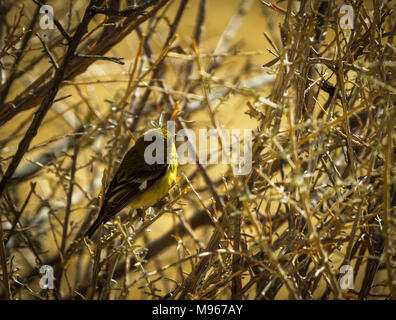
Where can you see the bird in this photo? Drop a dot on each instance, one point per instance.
(140, 181)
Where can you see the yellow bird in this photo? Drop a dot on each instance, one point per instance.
(140, 182)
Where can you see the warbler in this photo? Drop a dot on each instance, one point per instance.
(144, 176)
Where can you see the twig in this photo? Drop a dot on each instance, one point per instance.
(110, 12)
(389, 218)
(47, 51)
(58, 276)
(96, 57)
(20, 212)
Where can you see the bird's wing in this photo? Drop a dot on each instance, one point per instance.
(127, 188)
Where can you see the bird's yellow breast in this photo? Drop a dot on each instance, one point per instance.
(159, 188)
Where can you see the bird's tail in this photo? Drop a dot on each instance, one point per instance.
(93, 228)
(99, 220)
